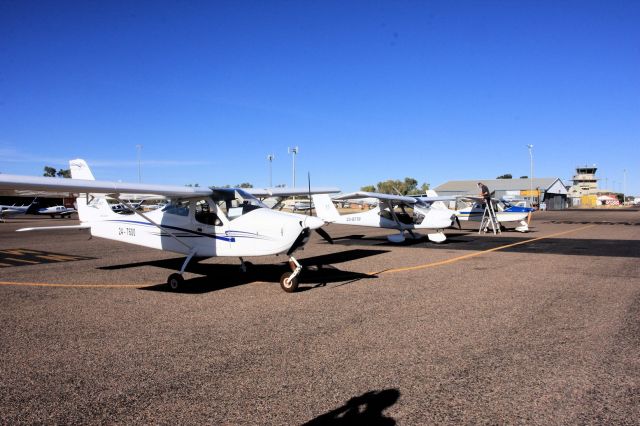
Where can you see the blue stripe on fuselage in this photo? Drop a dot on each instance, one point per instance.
(519, 209)
(176, 228)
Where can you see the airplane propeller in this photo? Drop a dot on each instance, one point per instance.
(324, 234)
(458, 222)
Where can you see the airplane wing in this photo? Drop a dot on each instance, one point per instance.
(473, 198)
(51, 184)
(96, 186)
(438, 198)
(386, 197)
(288, 192)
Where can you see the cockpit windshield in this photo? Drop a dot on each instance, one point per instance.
(236, 202)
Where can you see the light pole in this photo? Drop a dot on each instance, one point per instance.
(294, 151)
(270, 158)
(624, 184)
(531, 172)
(139, 148)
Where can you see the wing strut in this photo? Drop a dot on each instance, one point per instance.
(399, 238)
(393, 214)
(130, 207)
(175, 280)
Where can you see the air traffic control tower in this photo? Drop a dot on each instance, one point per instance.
(584, 183)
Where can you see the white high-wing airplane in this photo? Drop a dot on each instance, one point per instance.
(197, 222)
(8, 211)
(471, 208)
(54, 211)
(386, 214)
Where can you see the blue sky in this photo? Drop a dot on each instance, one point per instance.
(368, 90)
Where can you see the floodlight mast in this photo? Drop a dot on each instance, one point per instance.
(624, 184)
(270, 158)
(293, 151)
(531, 173)
(138, 149)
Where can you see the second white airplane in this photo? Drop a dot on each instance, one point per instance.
(391, 213)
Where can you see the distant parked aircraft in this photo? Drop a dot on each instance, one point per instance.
(10, 211)
(54, 211)
(472, 209)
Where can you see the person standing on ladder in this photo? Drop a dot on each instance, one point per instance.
(484, 192)
(489, 215)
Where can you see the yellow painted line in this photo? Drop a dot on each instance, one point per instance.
(470, 255)
(23, 284)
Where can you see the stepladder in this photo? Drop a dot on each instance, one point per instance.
(489, 219)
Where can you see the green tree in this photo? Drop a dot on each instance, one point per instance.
(390, 186)
(524, 177)
(49, 171)
(505, 176)
(52, 172)
(245, 185)
(64, 173)
(409, 186)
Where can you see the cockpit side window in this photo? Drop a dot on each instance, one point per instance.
(204, 214)
(178, 208)
(236, 202)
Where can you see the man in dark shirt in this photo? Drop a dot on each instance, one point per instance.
(484, 192)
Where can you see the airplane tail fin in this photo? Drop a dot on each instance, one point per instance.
(325, 209)
(437, 204)
(80, 170)
(33, 207)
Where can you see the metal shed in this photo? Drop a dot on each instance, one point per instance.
(550, 190)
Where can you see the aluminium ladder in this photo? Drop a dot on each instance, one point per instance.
(489, 219)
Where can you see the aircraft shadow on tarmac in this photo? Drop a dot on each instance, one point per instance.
(318, 272)
(366, 409)
(473, 241)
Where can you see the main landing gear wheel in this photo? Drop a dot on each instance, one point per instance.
(175, 281)
(288, 284)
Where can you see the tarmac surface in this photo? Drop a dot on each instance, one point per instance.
(536, 328)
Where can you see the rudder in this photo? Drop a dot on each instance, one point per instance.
(325, 209)
(80, 170)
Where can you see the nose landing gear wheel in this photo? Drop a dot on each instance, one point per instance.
(175, 281)
(287, 284)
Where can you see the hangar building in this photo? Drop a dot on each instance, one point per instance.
(551, 191)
